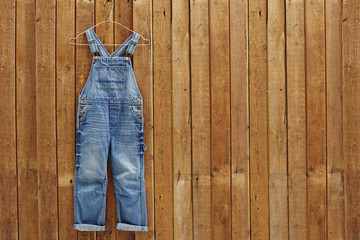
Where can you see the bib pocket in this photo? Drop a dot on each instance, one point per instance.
(111, 77)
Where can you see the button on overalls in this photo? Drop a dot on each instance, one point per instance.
(110, 126)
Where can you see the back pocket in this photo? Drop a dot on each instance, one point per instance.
(111, 77)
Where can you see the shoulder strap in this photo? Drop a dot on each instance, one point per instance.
(96, 46)
(128, 45)
(92, 42)
(132, 44)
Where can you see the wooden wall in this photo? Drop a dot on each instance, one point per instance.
(251, 109)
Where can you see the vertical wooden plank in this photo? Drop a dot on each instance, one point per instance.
(8, 176)
(123, 14)
(296, 108)
(200, 113)
(142, 22)
(220, 119)
(105, 32)
(26, 122)
(316, 118)
(46, 119)
(240, 197)
(335, 157)
(164, 220)
(65, 98)
(258, 120)
(84, 20)
(181, 120)
(351, 115)
(278, 194)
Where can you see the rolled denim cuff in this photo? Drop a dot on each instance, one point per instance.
(88, 227)
(129, 227)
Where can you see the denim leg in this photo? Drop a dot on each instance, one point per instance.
(90, 184)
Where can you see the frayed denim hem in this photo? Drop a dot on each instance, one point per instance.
(129, 227)
(88, 227)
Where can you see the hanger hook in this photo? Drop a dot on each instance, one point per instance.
(107, 1)
(109, 19)
(112, 7)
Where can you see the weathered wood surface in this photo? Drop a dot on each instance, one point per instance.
(251, 115)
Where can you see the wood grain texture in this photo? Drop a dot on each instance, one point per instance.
(143, 70)
(335, 156)
(277, 122)
(296, 117)
(258, 104)
(163, 137)
(200, 113)
(220, 119)
(240, 191)
(351, 115)
(65, 120)
(251, 116)
(181, 128)
(26, 120)
(8, 176)
(46, 120)
(316, 118)
(85, 18)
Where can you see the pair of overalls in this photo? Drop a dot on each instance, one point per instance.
(110, 126)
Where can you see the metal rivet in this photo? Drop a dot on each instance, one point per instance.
(126, 58)
(138, 108)
(139, 115)
(81, 107)
(82, 98)
(138, 99)
(80, 114)
(96, 57)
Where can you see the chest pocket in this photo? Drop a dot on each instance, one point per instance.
(111, 77)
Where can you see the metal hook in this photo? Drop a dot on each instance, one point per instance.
(112, 8)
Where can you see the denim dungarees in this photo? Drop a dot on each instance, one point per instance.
(110, 126)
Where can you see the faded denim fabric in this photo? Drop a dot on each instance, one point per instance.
(110, 126)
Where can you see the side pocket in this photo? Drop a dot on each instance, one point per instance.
(137, 112)
(83, 113)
